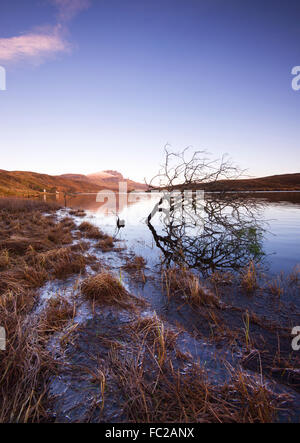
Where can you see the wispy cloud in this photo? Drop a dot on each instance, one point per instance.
(68, 9)
(34, 46)
(46, 41)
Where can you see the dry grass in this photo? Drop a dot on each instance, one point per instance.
(91, 231)
(153, 395)
(4, 259)
(249, 278)
(275, 287)
(57, 314)
(294, 277)
(182, 283)
(35, 248)
(81, 246)
(60, 234)
(136, 266)
(136, 263)
(32, 251)
(153, 330)
(77, 212)
(25, 365)
(33, 277)
(35, 269)
(222, 278)
(107, 244)
(106, 289)
(18, 245)
(62, 262)
(21, 205)
(68, 223)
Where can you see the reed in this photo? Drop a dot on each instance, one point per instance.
(152, 395)
(104, 288)
(182, 283)
(91, 231)
(249, 278)
(57, 314)
(275, 287)
(25, 366)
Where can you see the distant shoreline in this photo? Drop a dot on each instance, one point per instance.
(28, 184)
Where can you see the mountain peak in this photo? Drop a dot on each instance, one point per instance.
(114, 173)
(109, 174)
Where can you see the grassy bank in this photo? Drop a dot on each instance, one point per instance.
(34, 248)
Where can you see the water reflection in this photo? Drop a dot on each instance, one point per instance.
(217, 232)
(221, 241)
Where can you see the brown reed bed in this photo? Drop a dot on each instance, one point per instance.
(77, 213)
(4, 259)
(91, 231)
(22, 205)
(107, 244)
(57, 314)
(153, 330)
(182, 283)
(294, 277)
(33, 270)
(34, 248)
(135, 263)
(162, 394)
(275, 287)
(25, 365)
(218, 278)
(63, 262)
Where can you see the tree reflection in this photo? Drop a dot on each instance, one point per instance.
(221, 231)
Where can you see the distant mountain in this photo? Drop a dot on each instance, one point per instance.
(32, 183)
(283, 182)
(112, 178)
(105, 177)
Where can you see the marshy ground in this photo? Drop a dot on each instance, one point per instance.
(95, 335)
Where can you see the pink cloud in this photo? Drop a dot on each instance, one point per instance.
(32, 45)
(46, 41)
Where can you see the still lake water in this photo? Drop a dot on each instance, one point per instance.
(279, 215)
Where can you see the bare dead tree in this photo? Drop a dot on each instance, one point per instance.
(192, 168)
(223, 231)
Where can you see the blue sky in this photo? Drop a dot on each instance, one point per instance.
(105, 84)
